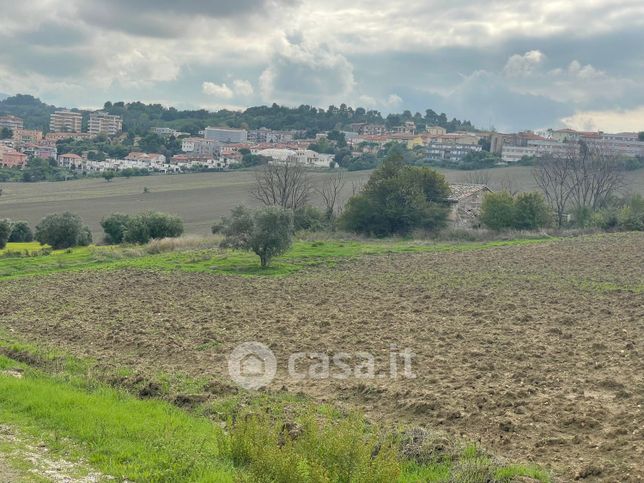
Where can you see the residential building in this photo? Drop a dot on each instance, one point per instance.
(265, 135)
(304, 157)
(11, 122)
(226, 135)
(103, 123)
(435, 130)
(25, 136)
(200, 146)
(57, 136)
(409, 127)
(71, 161)
(44, 151)
(151, 158)
(454, 153)
(620, 144)
(537, 148)
(10, 158)
(167, 132)
(66, 121)
(364, 129)
(453, 138)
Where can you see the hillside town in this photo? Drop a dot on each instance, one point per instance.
(221, 148)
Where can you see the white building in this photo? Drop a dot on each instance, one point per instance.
(65, 121)
(305, 157)
(226, 135)
(103, 123)
(621, 144)
(537, 148)
(200, 146)
(167, 132)
(450, 152)
(265, 135)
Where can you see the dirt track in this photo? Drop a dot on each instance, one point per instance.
(536, 351)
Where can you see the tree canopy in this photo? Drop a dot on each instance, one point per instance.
(397, 199)
(138, 117)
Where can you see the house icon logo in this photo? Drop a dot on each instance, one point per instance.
(252, 365)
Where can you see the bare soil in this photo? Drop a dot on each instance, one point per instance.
(534, 351)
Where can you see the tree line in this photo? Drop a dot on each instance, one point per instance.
(138, 117)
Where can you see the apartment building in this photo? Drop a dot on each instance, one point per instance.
(447, 151)
(620, 144)
(66, 121)
(25, 136)
(103, 123)
(265, 135)
(200, 146)
(11, 122)
(226, 135)
(538, 147)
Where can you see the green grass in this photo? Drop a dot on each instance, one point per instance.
(119, 435)
(266, 437)
(302, 254)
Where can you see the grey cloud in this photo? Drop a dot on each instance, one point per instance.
(165, 18)
(305, 73)
(54, 34)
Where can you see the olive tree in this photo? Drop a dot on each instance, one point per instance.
(21, 232)
(63, 230)
(5, 232)
(267, 232)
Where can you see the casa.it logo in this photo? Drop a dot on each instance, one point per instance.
(252, 365)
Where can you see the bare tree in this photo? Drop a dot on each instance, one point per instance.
(476, 177)
(286, 184)
(330, 191)
(356, 187)
(553, 176)
(507, 184)
(596, 175)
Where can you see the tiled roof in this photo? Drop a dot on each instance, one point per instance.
(460, 191)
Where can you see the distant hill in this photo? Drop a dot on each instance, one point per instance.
(3, 96)
(138, 117)
(32, 110)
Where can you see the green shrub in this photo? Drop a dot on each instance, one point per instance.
(21, 232)
(163, 225)
(530, 211)
(397, 199)
(114, 227)
(621, 214)
(631, 216)
(526, 211)
(137, 231)
(497, 211)
(267, 232)
(5, 232)
(309, 218)
(63, 231)
(151, 226)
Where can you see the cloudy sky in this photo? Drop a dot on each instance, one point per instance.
(511, 64)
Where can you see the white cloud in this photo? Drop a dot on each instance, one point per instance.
(576, 69)
(629, 120)
(243, 88)
(394, 101)
(221, 91)
(523, 65)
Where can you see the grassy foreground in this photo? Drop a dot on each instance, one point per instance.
(272, 438)
(20, 259)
